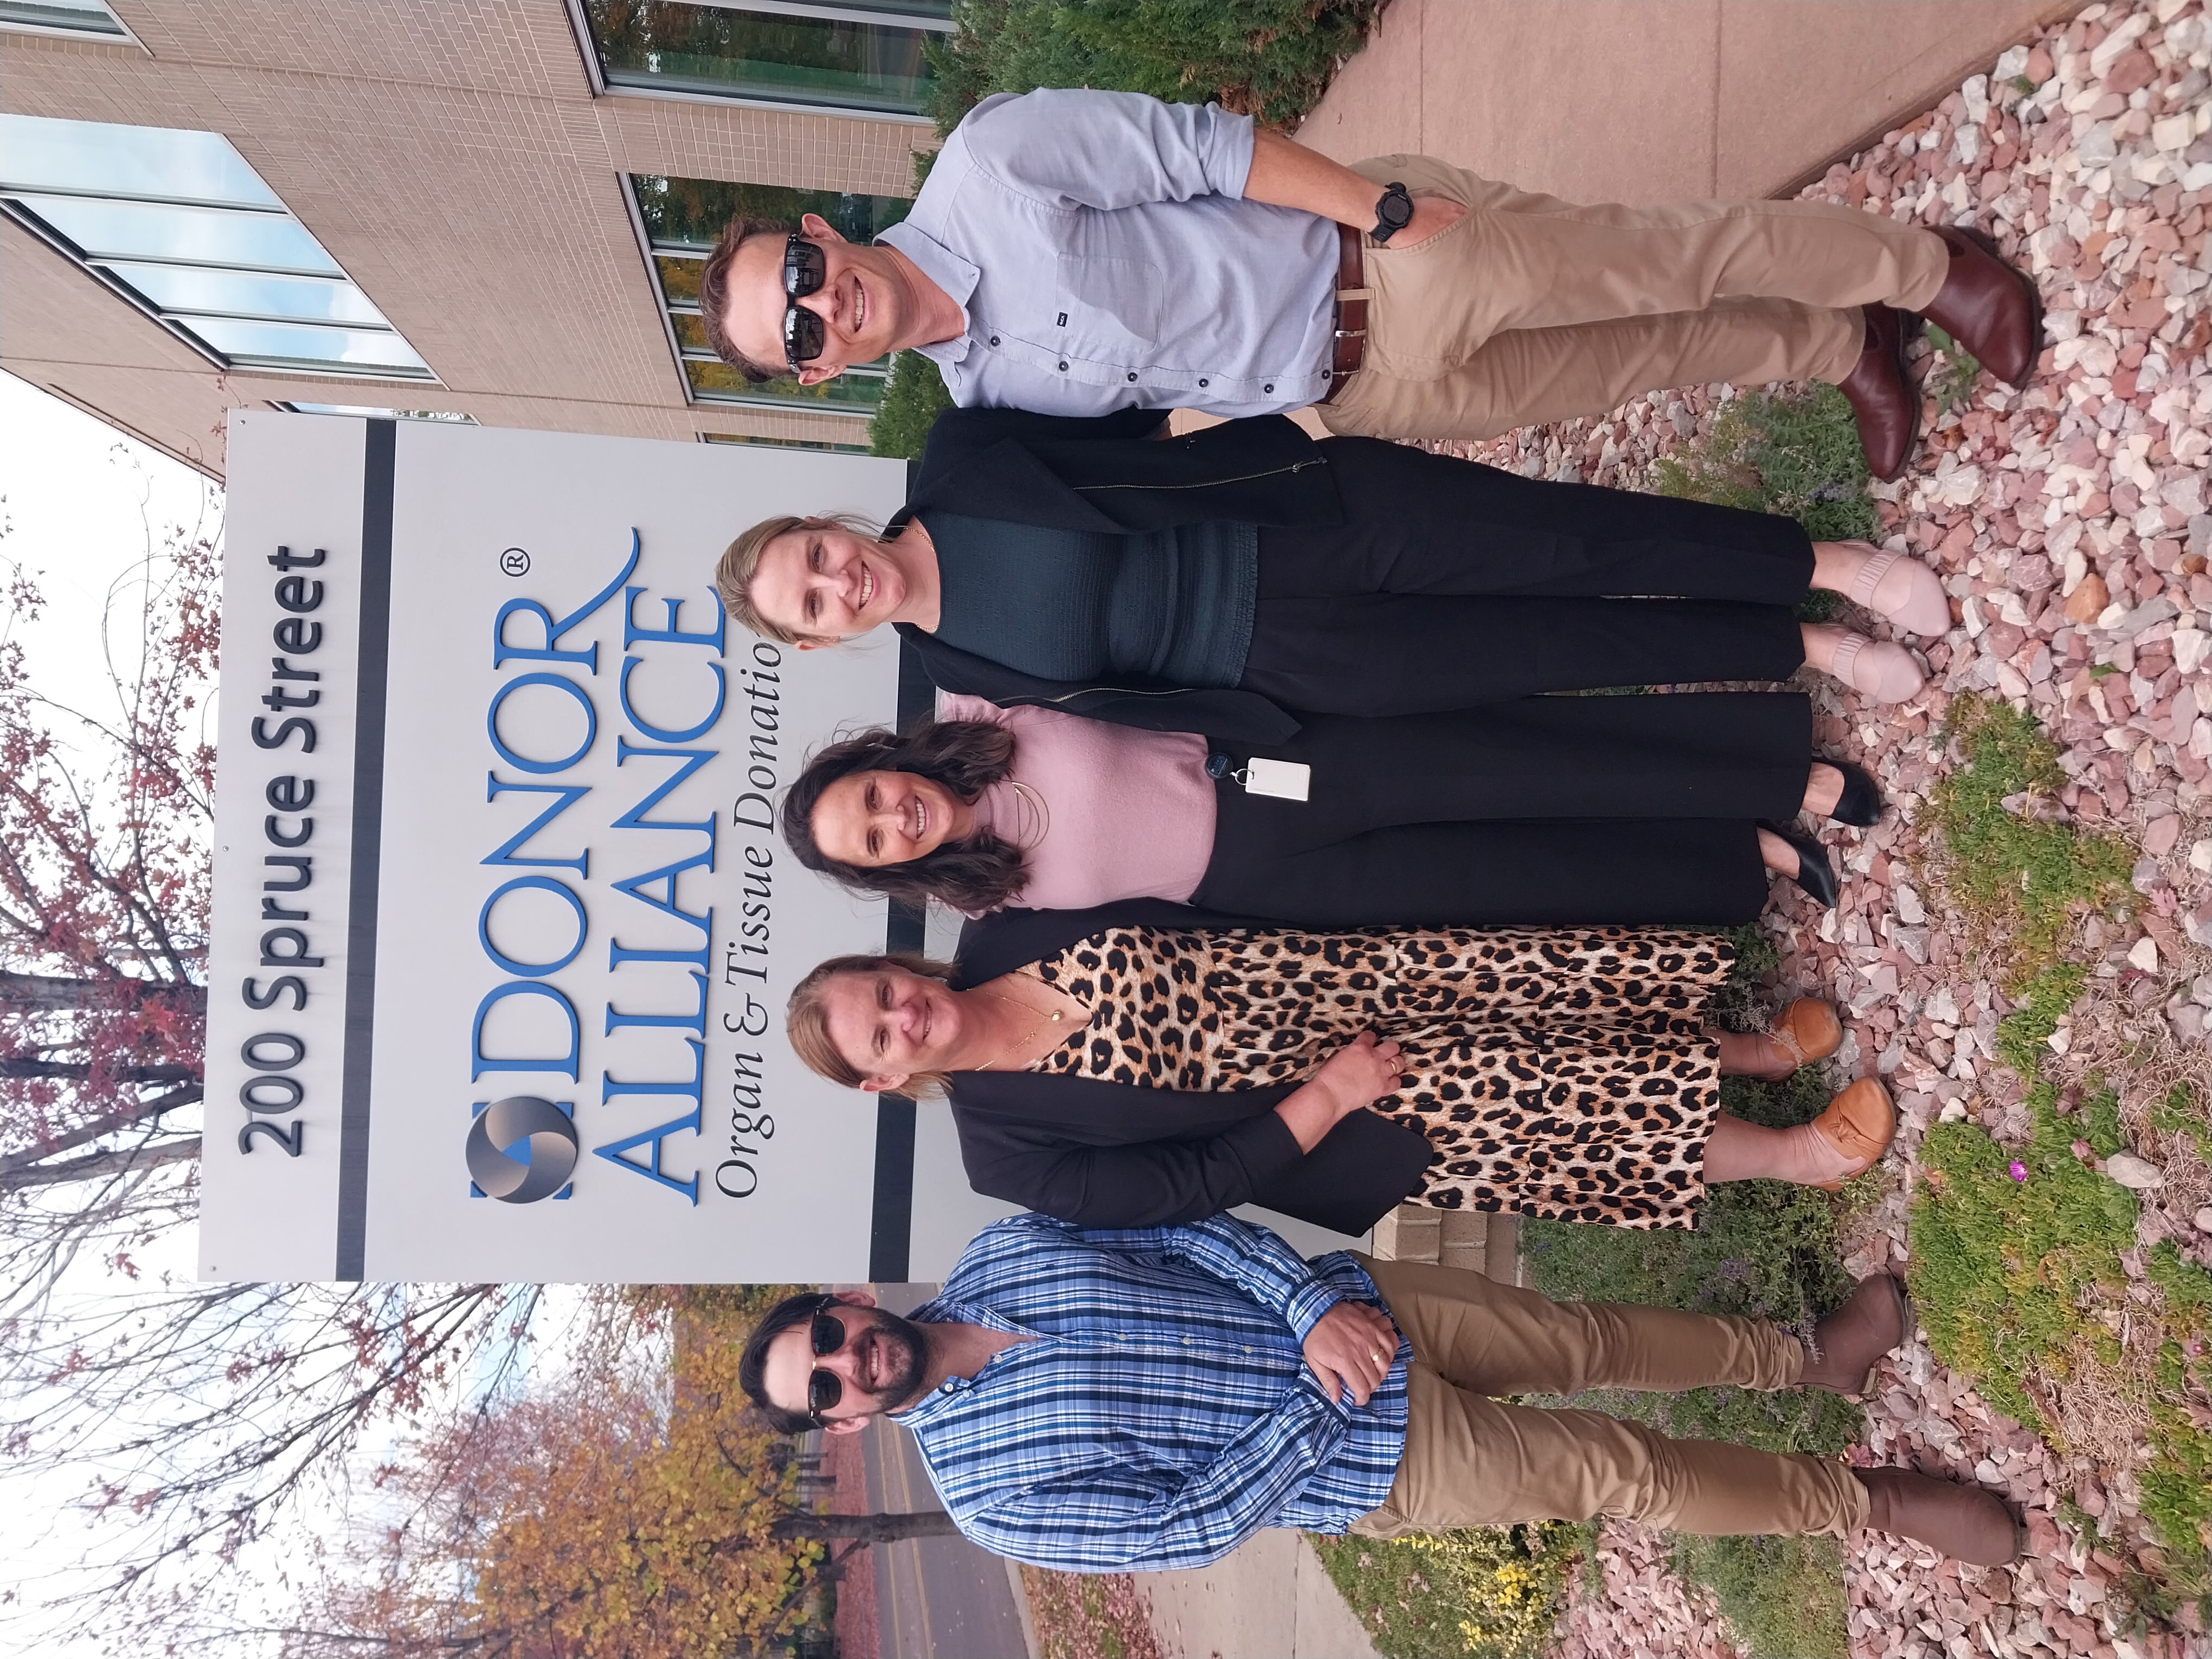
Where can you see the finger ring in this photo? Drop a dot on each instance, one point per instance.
(1376, 1356)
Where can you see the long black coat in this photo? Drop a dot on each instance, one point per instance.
(1106, 475)
(1112, 1155)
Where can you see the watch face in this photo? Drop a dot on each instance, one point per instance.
(1394, 210)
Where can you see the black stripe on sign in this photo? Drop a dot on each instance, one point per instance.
(890, 1230)
(381, 443)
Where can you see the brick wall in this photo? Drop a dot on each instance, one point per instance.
(450, 156)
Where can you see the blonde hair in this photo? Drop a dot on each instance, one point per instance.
(741, 563)
(806, 1020)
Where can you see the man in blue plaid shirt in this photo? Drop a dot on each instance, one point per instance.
(1129, 1399)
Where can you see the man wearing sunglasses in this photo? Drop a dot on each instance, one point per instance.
(1077, 252)
(1141, 1399)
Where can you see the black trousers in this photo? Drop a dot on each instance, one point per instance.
(1547, 810)
(1453, 585)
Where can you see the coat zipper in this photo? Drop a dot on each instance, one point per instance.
(1213, 484)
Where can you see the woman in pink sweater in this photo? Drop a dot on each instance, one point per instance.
(1570, 810)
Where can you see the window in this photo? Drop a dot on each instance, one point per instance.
(782, 443)
(179, 224)
(376, 413)
(69, 17)
(857, 57)
(679, 220)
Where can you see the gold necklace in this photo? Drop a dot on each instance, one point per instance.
(1038, 1025)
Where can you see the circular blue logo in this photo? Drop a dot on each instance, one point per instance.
(521, 1149)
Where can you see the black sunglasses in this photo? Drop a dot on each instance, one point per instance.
(804, 270)
(824, 1390)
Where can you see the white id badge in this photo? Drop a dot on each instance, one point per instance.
(1289, 780)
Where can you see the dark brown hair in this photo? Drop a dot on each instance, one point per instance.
(752, 1363)
(806, 1022)
(715, 295)
(966, 757)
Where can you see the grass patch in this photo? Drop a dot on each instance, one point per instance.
(1798, 455)
(1783, 1597)
(1268, 58)
(2018, 881)
(1483, 1593)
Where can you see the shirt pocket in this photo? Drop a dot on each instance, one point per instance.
(1109, 308)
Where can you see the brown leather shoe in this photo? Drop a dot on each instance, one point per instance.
(1844, 1345)
(1988, 308)
(1807, 1031)
(1965, 1522)
(1858, 1123)
(1888, 408)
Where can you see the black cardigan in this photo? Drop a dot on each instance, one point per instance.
(1106, 475)
(1113, 1155)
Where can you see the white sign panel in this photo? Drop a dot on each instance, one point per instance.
(503, 928)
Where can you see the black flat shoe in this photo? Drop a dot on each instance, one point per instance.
(1860, 804)
(1815, 874)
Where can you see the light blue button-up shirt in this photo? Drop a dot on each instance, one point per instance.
(1103, 250)
(1163, 1412)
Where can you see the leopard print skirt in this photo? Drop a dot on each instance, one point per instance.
(1559, 1072)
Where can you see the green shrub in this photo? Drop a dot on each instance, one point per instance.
(1783, 1597)
(912, 403)
(1268, 58)
(1797, 455)
(1482, 1593)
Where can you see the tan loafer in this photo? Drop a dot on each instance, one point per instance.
(1879, 669)
(1807, 1031)
(1858, 1123)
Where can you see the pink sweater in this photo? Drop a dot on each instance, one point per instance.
(1130, 812)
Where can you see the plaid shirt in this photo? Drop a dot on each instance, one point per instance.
(1164, 1412)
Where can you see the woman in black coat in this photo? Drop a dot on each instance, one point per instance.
(1221, 582)
(1137, 1065)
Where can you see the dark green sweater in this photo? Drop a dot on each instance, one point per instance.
(1171, 607)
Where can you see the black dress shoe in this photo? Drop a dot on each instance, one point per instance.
(1882, 399)
(1860, 804)
(1991, 308)
(1815, 874)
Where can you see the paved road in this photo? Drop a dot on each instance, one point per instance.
(936, 1598)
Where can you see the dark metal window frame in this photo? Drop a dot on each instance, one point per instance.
(595, 75)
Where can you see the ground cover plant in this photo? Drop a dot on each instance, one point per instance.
(1482, 1593)
(2022, 1254)
(1268, 58)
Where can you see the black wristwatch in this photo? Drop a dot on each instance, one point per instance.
(1392, 213)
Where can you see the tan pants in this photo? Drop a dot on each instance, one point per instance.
(1472, 1460)
(1529, 308)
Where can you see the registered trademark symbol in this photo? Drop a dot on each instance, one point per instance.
(514, 561)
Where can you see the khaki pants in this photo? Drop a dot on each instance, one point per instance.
(1529, 308)
(1472, 1460)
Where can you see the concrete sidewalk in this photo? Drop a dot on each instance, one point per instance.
(1271, 1600)
(1654, 100)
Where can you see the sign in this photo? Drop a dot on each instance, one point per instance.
(503, 929)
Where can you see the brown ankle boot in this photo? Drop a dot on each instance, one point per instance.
(1882, 397)
(1965, 1522)
(1874, 1322)
(1988, 308)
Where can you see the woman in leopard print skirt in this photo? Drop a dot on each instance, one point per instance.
(1114, 1071)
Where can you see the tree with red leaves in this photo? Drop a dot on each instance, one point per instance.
(106, 827)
